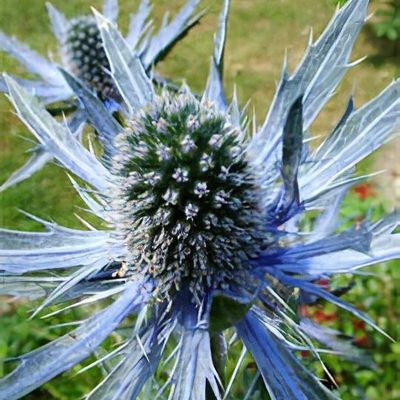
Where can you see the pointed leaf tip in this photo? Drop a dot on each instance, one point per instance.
(110, 10)
(56, 138)
(127, 70)
(292, 146)
(59, 22)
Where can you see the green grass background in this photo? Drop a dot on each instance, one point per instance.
(259, 33)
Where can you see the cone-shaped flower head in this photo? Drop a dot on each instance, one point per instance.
(188, 203)
(86, 57)
(203, 224)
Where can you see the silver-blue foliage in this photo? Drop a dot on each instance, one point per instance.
(81, 53)
(203, 224)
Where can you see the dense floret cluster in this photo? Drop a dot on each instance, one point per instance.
(86, 57)
(188, 202)
(201, 240)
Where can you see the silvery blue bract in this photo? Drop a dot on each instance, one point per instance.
(203, 224)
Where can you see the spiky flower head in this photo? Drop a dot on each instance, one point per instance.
(86, 58)
(188, 203)
(204, 226)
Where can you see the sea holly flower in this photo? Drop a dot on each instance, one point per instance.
(81, 53)
(204, 226)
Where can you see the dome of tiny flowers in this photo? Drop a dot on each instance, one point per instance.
(188, 204)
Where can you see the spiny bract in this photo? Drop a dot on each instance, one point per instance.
(202, 227)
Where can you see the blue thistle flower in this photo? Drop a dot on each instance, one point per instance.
(81, 53)
(203, 224)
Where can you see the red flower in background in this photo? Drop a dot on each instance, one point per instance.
(322, 316)
(359, 325)
(364, 191)
(362, 341)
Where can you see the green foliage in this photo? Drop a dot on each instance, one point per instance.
(387, 25)
(339, 2)
(225, 312)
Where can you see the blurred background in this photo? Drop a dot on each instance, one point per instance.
(259, 32)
